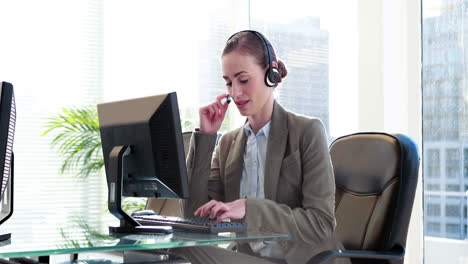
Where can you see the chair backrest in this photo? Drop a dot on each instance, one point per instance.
(376, 176)
(170, 207)
(186, 137)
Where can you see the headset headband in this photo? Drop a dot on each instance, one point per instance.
(273, 76)
(263, 38)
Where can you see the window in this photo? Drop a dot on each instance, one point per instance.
(452, 211)
(453, 230)
(52, 65)
(452, 163)
(445, 127)
(433, 228)
(152, 58)
(465, 163)
(452, 187)
(433, 209)
(77, 53)
(433, 163)
(321, 70)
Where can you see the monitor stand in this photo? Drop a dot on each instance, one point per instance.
(115, 178)
(7, 204)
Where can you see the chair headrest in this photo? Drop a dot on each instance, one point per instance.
(365, 163)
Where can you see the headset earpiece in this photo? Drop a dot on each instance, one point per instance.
(272, 77)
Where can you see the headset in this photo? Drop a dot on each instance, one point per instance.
(272, 76)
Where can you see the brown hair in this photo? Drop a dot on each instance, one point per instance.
(248, 42)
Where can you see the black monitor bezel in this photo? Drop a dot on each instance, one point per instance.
(6, 102)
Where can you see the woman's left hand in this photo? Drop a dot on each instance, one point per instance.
(220, 210)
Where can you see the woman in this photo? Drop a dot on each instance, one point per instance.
(274, 173)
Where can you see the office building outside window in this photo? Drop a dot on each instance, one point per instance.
(433, 209)
(433, 228)
(452, 163)
(445, 126)
(303, 46)
(433, 160)
(311, 42)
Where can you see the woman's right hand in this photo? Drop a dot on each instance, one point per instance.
(212, 115)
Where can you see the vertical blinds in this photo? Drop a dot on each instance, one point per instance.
(52, 53)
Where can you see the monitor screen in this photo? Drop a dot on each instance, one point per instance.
(7, 130)
(150, 126)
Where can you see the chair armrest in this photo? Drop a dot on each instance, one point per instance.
(398, 252)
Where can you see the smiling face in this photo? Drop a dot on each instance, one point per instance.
(244, 79)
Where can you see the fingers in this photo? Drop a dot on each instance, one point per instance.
(213, 208)
(222, 100)
(206, 111)
(221, 97)
(202, 210)
(221, 109)
(212, 115)
(219, 208)
(224, 216)
(207, 207)
(226, 97)
(222, 211)
(217, 108)
(235, 210)
(213, 111)
(220, 106)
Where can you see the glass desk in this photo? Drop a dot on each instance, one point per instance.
(89, 240)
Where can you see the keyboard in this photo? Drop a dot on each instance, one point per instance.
(191, 224)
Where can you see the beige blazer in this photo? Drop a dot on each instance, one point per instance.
(299, 182)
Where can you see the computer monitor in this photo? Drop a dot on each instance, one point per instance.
(7, 130)
(143, 152)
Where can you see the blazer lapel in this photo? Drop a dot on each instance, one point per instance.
(234, 164)
(276, 147)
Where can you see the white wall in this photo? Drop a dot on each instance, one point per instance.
(390, 84)
(454, 251)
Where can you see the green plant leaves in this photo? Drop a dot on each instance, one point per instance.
(77, 139)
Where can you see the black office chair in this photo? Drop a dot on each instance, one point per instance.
(376, 176)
